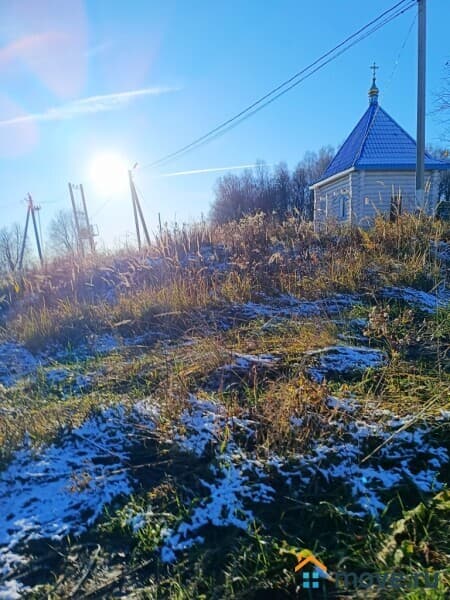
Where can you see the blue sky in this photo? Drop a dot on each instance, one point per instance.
(140, 79)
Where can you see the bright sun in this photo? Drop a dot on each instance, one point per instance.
(108, 173)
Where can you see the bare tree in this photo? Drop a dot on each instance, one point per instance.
(443, 207)
(309, 170)
(282, 201)
(266, 190)
(10, 246)
(300, 191)
(63, 233)
(443, 103)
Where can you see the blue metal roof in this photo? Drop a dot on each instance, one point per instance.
(379, 143)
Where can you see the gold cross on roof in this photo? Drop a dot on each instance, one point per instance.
(374, 68)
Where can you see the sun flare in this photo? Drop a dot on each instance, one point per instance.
(108, 173)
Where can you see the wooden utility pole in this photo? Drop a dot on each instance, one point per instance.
(84, 229)
(31, 209)
(77, 223)
(421, 75)
(137, 213)
(90, 233)
(136, 222)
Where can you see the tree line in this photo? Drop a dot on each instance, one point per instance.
(270, 190)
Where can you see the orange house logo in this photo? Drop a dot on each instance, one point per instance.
(310, 579)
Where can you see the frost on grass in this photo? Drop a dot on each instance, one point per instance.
(236, 372)
(339, 361)
(62, 488)
(424, 301)
(15, 362)
(334, 465)
(289, 306)
(202, 423)
(337, 464)
(91, 346)
(68, 381)
(237, 480)
(223, 506)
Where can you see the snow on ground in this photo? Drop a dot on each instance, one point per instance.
(233, 374)
(339, 463)
(289, 306)
(410, 458)
(15, 362)
(348, 405)
(93, 345)
(245, 361)
(68, 381)
(62, 488)
(424, 301)
(344, 360)
(441, 250)
(238, 480)
(202, 423)
(11, 590)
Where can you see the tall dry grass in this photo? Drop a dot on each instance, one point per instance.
(199, 266)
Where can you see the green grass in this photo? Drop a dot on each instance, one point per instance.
(185, 304)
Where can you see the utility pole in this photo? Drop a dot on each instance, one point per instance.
(421, 74)
(31, 209)
(84, 229)
(77, 223)
(89, 230)
(137, 213)
(136, 222)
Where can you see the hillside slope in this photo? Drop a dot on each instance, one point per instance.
(181, 423)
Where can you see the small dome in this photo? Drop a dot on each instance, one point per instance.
(373, 92)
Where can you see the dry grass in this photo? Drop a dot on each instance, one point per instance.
(184, 296)
(258, 254)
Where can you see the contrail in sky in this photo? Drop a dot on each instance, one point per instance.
(89, 105)
(211, 170)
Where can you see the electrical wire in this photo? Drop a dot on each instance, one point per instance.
(368, 29)
(387, 86)
(362, 33)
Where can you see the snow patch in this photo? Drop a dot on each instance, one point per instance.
(202, 422)
(348, 405)
(424, 301)
(62, 488)
(338, 462)
(289, 306)
(68, 381)
(15, 362)
(11, 590)
(223, 507)
(238, 480)
(344, 360)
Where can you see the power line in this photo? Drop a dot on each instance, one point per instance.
(248, 115)
(368, 29)
(388, 84)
